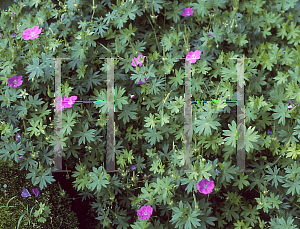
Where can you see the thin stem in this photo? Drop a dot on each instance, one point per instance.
(30, 50)
(4, 99)
(154, 31)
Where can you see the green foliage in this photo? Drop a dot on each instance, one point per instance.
(150, 128)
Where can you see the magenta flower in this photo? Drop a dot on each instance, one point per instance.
(0, 35)
(141, 82)
(139, 60)
(31, 33)
(35, 191)
(187, 12)
(193, 56)
(132, 96)
(69, 101)
(205, 186)
(25, 193)
(13, 13)
(145, 212)
(210, 34)
(15, 81)
(66, 103)
(20, 157)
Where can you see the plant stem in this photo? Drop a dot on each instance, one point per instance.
(154, 32)
(30, 51)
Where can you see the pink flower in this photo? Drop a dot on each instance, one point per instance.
(30, 34)
(193, 56)
(210, 34)
(15, 81)
(187, 12)
(20, 157)
(0, 35)
(13, 13)
(139, 60)
(66, 103)
(141, 82)
(204, 186)
(69, 101)
(145, 212)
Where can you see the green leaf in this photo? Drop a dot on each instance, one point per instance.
(100, 27)
(54, 45)
(293, 152)
(281, 78)
(281, 111)
(110, 16)
(97, 179)
(157, 6)
(241, 182)
(153, 136)
(119, 100)
(206, 123)
(185, 216)
(167, 41)
(128, 155)
(201, 8)
(141, 224)
(34, 102)
(7, 67)
(232, 134)
(150, 121)
(164, 118)
(89, 135)
(68, 121)
(157, 166)
(128, 111)
(90, 39)
(274, 200)
(176, 105)
(251, 139)
(79, 51)
(175, 12)
(22, 108)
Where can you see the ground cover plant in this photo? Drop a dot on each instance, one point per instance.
(151, 41)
